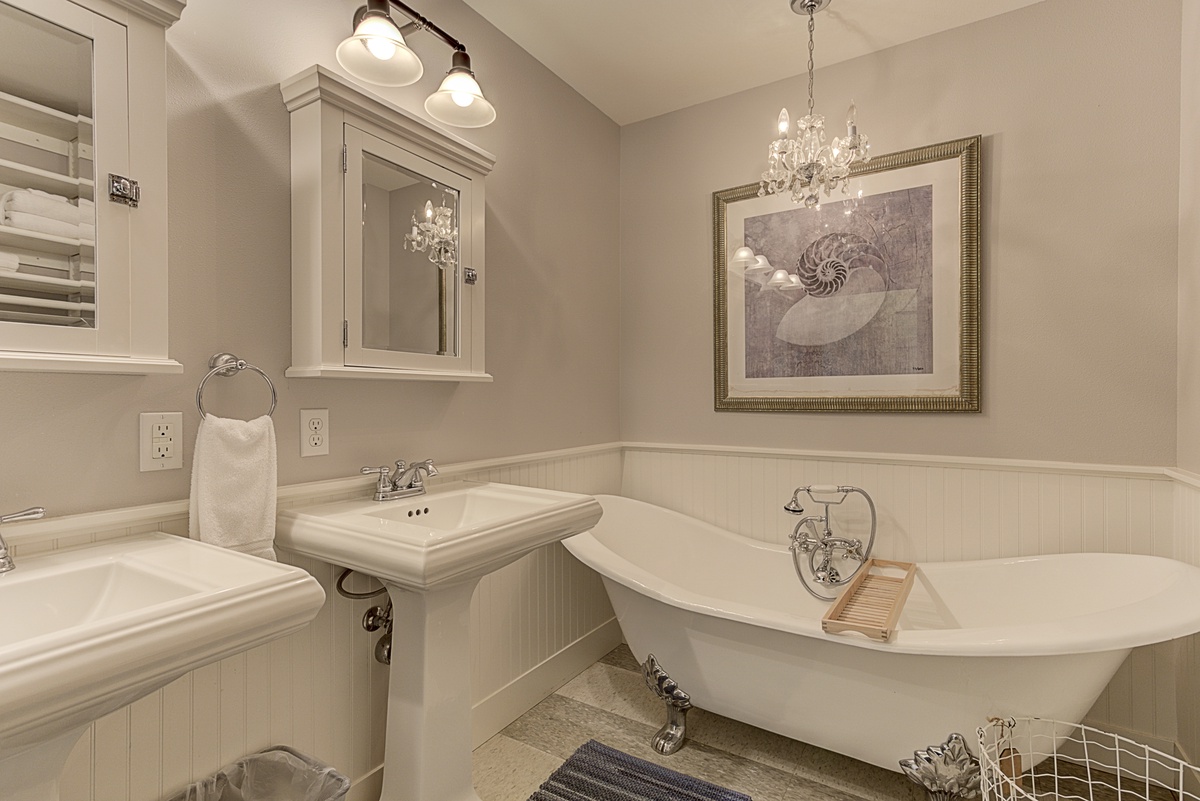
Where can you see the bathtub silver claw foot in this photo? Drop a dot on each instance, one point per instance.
(669, 738)
(948, 771)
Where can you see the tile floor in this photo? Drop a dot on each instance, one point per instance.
(610, 702)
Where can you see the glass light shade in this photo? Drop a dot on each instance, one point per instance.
(376, 53)
(778, 279)
(742, 257)
(460, 102)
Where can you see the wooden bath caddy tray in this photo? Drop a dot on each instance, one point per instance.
(872, 602)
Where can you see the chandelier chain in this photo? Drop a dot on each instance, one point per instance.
(812, 26)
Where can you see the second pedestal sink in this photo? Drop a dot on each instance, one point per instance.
(430, 552)
(88, 630)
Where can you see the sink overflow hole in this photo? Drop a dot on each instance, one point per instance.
(418, 512)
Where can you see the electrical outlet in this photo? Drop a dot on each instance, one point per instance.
(160, 441)
(314, 432)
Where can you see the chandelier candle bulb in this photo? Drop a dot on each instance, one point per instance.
(785, 123)
(852, 120)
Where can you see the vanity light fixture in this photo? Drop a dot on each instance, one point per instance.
(377, 53)
(805, 165)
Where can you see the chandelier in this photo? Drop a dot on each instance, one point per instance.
(804, 165)
(436, 235)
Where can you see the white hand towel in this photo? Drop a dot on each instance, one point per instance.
(49, 206)
(48, 194)
(234, 482)
(42, 225)
(9, 261)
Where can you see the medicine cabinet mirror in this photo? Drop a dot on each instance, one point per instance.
(387, 239)
(82, 277)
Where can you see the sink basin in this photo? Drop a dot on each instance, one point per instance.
(86, 631)
(430, 552)
(453, 533)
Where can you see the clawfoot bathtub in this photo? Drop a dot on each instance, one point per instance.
(727, 619)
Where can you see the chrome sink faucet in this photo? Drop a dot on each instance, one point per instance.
(6, 560)
(407, 483)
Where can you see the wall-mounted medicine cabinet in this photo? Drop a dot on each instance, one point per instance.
(387, 239)
(83, 277)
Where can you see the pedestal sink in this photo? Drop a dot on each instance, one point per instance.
(86, 631)
(430, 552)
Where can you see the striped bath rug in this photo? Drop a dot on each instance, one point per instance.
(596, 772)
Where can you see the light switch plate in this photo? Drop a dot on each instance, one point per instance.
(160, 441)
(314, 432)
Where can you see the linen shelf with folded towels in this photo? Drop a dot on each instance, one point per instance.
(44, 213)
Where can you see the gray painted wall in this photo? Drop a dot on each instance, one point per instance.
(1078, 102)
(69, 442)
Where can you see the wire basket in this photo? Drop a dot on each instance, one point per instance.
(1034, 759)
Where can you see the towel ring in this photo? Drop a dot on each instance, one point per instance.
(226, 364)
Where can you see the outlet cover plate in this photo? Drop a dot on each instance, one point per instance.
(160, 441)
(314, 432)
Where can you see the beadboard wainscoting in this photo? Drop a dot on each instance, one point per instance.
(536, 623)
(946, 509)
(541, 620)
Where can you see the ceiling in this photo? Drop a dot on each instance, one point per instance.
(635, 59)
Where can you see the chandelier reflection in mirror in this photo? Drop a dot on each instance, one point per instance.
(435, 234)
(805, 166)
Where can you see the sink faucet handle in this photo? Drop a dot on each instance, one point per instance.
(401, 465)
(32, 513)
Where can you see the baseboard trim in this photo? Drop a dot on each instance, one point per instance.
(514, 699)
(368, 787)
(1191, 778)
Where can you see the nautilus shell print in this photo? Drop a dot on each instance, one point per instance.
(843, 276)
(827, 262)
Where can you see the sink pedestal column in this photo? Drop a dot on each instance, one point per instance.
(427, 756)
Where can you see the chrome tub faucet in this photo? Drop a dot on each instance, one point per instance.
(34, 513)
(407, 482)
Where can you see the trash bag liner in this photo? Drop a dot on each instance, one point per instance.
(278, 773)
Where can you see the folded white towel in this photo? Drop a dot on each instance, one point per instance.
(234, 483)
(87, 231)
(49, 206)
(42, 225)
(49, 195)
(9, 262)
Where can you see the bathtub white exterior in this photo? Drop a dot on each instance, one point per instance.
(727, 619)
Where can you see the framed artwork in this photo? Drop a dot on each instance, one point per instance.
(868, 302)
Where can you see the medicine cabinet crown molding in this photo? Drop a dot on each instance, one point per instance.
(342, 135)
(95, 302)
